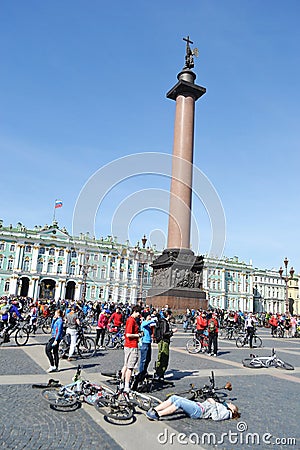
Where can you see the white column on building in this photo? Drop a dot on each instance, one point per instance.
(19, 257)
(12, 285)
(34, 259)
(66, 261)
(78, 288)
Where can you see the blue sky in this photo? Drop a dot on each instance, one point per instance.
(84, 83)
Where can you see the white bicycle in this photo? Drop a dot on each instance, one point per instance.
(257, 362)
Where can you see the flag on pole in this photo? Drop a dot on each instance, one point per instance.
(58, 204)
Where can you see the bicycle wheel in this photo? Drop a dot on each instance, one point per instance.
(252, 363)
(46, 326)
(193, 346)
(279, 364)
(145, 402)
(21, 336)
(240, 342)
(257, 342)
(112, 411)
(86, 347)
(53, 397)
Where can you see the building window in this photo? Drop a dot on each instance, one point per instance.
(101, 293)
(113, 259)
(10, 264)
(59, 267)
(42, 250)
(26, 265)
(103, 273)
(61, 253)
(28, 249)
(2, 246)
(40, 264)
(73, 254)
(103, 257)
(52, 251)
(129, 275)
(96, 257)
(1, 262)
(12, 247)
(50, 267)
(6, 286)
(93, 292)
(72, 269)
(94, 271)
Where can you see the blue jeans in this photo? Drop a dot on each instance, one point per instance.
(145, 358)
(191, 408)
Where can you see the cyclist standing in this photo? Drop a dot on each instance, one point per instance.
(201, 325)
(250, 329)
(53, 344)
(213, 331)
(72, 324)
(131, 346)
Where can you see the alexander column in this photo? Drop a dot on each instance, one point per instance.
(177, 273)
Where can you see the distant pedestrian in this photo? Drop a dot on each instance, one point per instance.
(131, 346)
(73, 323)
(53, 344)
(101, 327)
(213, 331)
(163, 334)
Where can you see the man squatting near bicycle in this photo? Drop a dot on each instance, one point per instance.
(209, 409)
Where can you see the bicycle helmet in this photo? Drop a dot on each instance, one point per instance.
(107, 311)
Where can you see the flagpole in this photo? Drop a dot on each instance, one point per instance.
(54, 210)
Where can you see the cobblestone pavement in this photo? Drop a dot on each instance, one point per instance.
(268, 400)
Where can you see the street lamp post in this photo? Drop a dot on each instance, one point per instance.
(84, 268)
(286, 278)
(142, 258)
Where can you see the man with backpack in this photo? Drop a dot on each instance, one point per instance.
(213, 330)
(163, 334)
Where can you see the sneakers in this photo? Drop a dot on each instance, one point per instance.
(52, 369)
(101, 347)
(152, 414)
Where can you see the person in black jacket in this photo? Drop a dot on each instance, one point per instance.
(163, 338)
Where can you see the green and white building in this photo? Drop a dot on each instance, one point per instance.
(48, 263)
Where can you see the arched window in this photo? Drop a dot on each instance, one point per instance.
(10, 264)
(103, 272)
(6, 286)
(50, 267)
(42, 250)
(93, 292)
(39, 267)
(73, 254)
(61, 253)
(28, 249)
(59, 267)
(94, 271)
(1, 261)
(72, 269)
(26, 265)
(52, 251)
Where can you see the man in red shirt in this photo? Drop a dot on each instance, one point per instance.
(131, 354)
(213, 329)
(116, 318)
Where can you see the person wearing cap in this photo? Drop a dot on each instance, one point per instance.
(101, 327)
(209, 409)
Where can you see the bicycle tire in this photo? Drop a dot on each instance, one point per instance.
(145, 402)
(251, 363)
(21, 337)
(193, 346)
(46, 327)
(240, 342)
(257, 342)
(60, 401)
(279, 364)
(86, 347)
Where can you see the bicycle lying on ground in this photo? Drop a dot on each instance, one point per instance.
(241, 341)
(21, 334)
(70, 396)
(207, 391)
(257, 362)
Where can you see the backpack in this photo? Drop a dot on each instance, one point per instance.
(211, 326)
(159, 330)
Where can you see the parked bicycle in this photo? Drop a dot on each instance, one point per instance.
(244, 340)
(257, 362)
(114, 338)
(21, 334)
(207, 391)
(197, 344)
(85, 346)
